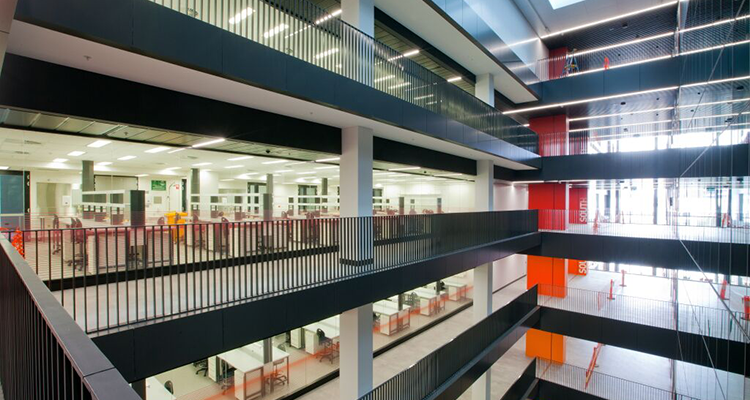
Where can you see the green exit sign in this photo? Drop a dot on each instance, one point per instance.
(158, 185)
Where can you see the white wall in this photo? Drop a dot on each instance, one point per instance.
(456, 196)
(67, 177)
(507, 270)
(510, 197)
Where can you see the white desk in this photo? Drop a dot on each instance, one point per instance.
(456, 289)
(391, 319)
(155, 390)
(430, 302)
(248, 373)
(330, 326)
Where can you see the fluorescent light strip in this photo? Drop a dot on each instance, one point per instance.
(126, 158)
(99, 143)
(714, 47)
(385, 78)
(454, 79)
(400, 85)
(240, 158)
(407, 54)
(615, 18)
(424, 97)
(76, 153)
(589, 71)
(234, 166)
(619, 114)
(241, 16)
(305, 173)
(210, 142)
(141, 175)
(614, 46)
(104, 163)
(202, 164)
(717, 23)
(595, 99)
(282, 171)
(59, 160)
(157, 150)
(275, 30)
(326, 53)
(715, 82)
(620, 126)
(404, 169)
(172, 168)
(331, 167)
(176, 150)
(328, 159)
(275, 162)
(327, 17)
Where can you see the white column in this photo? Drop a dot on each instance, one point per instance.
(355, 365)
(485, 89)
(484, 201)
(359, 14)
(7, 11)
(356, 201)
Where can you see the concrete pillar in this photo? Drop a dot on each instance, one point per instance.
(324, 192)
(87, 176)
(7, 11)
(137, 207)
(268, 198)
(195, 192)
(356, 201)
(484, 89)
(359, 14)
(484, 201)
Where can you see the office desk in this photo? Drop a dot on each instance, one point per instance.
(391, 319)
(248, 373)
(256, 351)
(330, 327)
(155, 390)
(430, 302)
(456, 289)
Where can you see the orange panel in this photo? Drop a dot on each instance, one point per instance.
(549, 273)
(549, 346)
(578, 267)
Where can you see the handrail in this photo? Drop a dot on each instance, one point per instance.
(122, 275)
(427, 375)
(43, 352)
(303, 30)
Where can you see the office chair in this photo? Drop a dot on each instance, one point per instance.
(328, 348)
(277, 376)
(169, 386)
(202, 366)
(56, 235)
(79, 235)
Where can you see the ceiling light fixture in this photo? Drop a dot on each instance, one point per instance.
(327, 17)
(76, 153)
(126, 158)
(454, 79)
(227, 180)
(404, 169)
(210, 142)
(202, 164)
(615, 18)
(282, 171)
(407, 54)
(399, 85)
(305, 173)
(175, 150)
(331, 167)
(104, 163)
(59, 160)
(172, 168)
(715, 82)
(141, 175)
(328, 159)
(234, 166)
(275, 30)
(327, 53)
(4, 167)
(424, 97)
(99, 143)
(595, 99)
(241, 16)
(240, 158)
(157, 150)
(385, 78)
(275, 162)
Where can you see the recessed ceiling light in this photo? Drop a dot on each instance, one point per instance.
(330, 167)
(241, 16)
(326, 53)
(454, 79)
(104, 163)
(171, 168)
(385, 78)
(240, 158)
(234, 166)
(126, 158)
(281, 171)
(141, 175)
(305, 173)
(227, 180)
(202, 164)
(157, 149)
(4, 167)
(275, 162)
(99, 143)
(210, 142)
(175, 150)
(275, 30)
(404, 169)
(328, 159)
(76, 153)
(59, 160)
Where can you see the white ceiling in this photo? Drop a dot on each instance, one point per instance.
(540, 12)
(31, 151)
(44, 44)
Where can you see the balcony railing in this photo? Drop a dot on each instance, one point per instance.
(43, 353)
(116, 276)
(601, 385)
(307, 32)
(722, 228)
(424, 378)
(700, 320)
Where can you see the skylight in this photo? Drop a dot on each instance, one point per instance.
(562, 3)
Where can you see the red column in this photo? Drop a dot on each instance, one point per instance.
(553, 134)
(556, 63)
(578, 205)
(551, 200)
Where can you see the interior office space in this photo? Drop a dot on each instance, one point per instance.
(371, 200)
